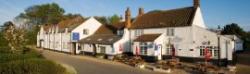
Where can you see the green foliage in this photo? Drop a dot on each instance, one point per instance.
(31, 66)
(30, 62)
(114, 19)
(234, 29)
(102, 19)
(3, 41)
(50, 13)
(14, 36)
(31, 35)
(6, 56)
(71, 16)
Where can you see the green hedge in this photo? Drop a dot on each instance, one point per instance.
(31, 66)
(7, 57)
(30, 62)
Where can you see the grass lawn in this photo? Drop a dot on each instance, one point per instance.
(30, 62)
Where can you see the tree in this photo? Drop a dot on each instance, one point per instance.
(114, 19)
(35, 15)
(14, 36)
(233, 29)
(71, 16)
(31, 34)
(102, 19)
(42, 14)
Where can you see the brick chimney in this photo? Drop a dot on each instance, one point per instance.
(140, 12)
(128, 18)
(196, 3)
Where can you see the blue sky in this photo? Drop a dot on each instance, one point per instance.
(216, 12)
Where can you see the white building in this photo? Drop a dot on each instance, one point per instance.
(103, 41)
(64, 36)
(153, 33)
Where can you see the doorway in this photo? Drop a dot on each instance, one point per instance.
(74, 48)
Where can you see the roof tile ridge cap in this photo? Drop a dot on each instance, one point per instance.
(173, 9)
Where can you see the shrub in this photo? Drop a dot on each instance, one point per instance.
(4, 50)
(31, 66)
(101, 55)
(6, 57)
(27, 61)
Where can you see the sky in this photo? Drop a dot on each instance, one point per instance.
(215, 12)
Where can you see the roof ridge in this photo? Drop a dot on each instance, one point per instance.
(170, 18)
(171, 9)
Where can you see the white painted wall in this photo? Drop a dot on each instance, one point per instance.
(87, 47)
(66, 42)
(91, 25)
(123, 43)
(202, 35)
(54, 40)
(108, 49)
(187, 38)
(198, 19)
(181, 40)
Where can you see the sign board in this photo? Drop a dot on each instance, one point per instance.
(75, 36)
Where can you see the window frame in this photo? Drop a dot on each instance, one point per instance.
(138, 32)
(170, 32)
(85, 32)
(143, 48)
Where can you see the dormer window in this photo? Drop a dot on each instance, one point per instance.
(85, 31)
(170, 32)
(138, 32)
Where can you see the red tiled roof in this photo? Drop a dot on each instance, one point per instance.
(169, 18)
(147, 38)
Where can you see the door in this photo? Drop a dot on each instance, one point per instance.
(94, 49)
(74, 48)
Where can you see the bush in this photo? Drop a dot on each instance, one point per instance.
(101, 55)
(4, 50)
(7, 57)
(27, 61)
(31, 66)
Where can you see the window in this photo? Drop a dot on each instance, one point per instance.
(211, 49)
(216, 53)
(201, 52)
(79, 47)
(170, 32)
(143, 47)
(150, 45)
(65, 45)
(85, 31)
(102, 49)
(138, 32)
(168, 48)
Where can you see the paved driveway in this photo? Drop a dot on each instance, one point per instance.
(89, 65)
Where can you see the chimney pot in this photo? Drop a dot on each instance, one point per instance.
(196, 3)
(141, 12)
(128, 18)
